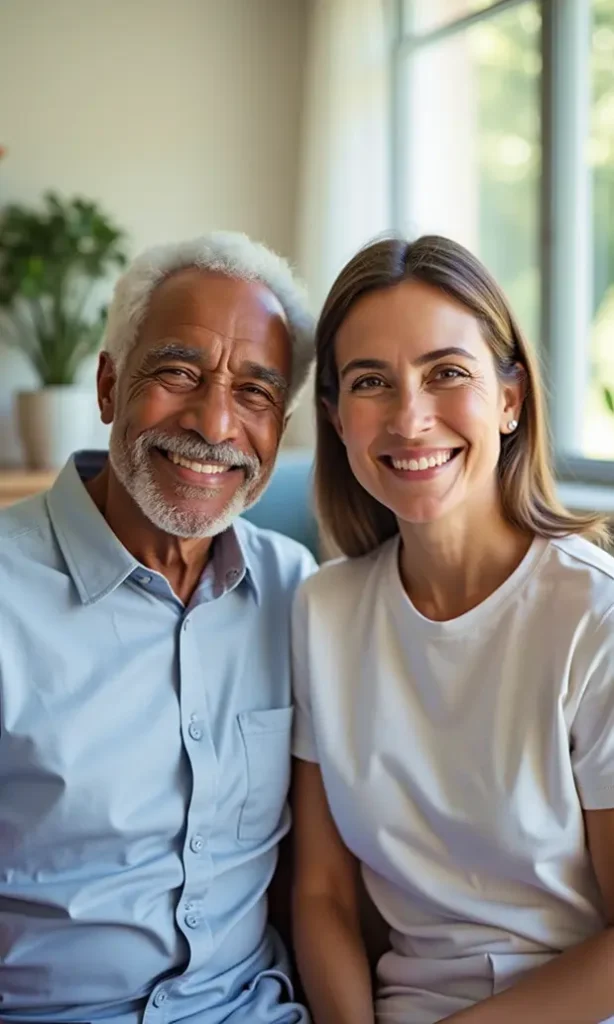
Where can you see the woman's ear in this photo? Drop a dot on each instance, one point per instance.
(333, 414)
(513, 394)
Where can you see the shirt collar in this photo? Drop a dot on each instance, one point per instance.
(230, 564)
(97, 560)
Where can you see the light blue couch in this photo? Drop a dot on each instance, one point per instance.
(287, 504)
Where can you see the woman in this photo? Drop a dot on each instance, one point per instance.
(454, 674)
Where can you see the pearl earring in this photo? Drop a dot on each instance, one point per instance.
(512, 424)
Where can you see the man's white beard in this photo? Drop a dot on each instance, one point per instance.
(132, 467)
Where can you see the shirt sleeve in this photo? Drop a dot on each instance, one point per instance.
(308, 565)
(592, 731)
(303, 740)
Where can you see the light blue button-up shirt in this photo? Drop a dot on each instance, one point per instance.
(144, 766)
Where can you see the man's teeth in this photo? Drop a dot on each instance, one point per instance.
(197, 467)
(411, 465)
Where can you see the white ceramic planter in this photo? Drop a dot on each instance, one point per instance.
(53, 423)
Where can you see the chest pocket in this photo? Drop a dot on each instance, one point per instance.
(266, 737)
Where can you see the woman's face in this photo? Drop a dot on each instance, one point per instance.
(420, 406)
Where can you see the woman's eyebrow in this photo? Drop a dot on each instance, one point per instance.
(363, 364)
(441, 353)
(426, 357)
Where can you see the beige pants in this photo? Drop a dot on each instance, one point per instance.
(420, 991)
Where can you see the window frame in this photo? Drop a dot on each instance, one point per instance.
(565, 243)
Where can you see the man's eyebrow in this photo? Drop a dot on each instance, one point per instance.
(266, 374)
(173, 350)
(189, 354)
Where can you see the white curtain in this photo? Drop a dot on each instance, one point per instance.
(344, 186)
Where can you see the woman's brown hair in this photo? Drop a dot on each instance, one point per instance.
(354, 522)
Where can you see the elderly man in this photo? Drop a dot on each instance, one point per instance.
(145, 703)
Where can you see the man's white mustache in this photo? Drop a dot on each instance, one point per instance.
(193, 448)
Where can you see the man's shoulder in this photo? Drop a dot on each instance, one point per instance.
(274, 556)
(23, 521)
(27, 549)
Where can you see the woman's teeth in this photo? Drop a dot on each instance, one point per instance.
(197, 467)
(411, 465)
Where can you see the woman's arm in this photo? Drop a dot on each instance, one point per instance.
(328, 944)
(576, 987)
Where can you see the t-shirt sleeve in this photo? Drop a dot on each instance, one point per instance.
(303, 740)
(592, 730)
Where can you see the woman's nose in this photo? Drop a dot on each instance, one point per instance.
(411, 414)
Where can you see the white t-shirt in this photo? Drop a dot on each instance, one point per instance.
(457, 759)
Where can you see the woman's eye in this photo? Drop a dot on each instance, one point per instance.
(368, 383)
(449, 373)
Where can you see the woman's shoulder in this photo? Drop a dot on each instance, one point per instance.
(343, 579)
(576, 551)
(585, 570)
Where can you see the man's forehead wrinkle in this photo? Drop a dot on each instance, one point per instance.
(155, 347)
(240, 296)
(213, 331)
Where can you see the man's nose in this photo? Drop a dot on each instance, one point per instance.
(212, 414)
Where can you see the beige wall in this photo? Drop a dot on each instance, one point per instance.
(179, 115)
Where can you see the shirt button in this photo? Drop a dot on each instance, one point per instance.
(196, 844)
(144, 579)
(192, 920)
(233, 575)
(160, 997)
(195, 731)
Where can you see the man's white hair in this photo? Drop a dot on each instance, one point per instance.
(223, 252)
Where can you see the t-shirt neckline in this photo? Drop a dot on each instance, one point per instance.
(475, 616)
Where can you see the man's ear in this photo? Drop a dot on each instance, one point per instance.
(332, 412)
(106, 380)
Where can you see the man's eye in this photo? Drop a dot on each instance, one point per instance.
(176, 374)
(368, 383)
(257, 392)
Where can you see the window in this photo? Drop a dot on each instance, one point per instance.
(598, 438)
(504, 140)
(421, 16)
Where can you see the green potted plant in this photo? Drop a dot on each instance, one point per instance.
(53, 261)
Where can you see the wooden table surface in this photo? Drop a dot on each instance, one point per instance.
(16, 484)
